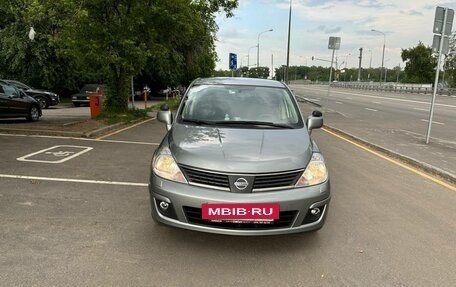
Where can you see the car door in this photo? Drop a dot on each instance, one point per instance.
(4, 103)
(17, 104)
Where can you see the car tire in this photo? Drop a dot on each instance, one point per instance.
(76, 104)
(34, 114)
(43, 102)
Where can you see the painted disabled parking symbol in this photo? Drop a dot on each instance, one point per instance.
(56, 154)
(60, 153)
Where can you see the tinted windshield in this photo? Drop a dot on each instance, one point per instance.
(212, 103)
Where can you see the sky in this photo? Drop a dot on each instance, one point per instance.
(404, 22)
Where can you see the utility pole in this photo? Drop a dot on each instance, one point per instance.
(360, 61)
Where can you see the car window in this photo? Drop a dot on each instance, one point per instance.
(10, 91)
(240, 103)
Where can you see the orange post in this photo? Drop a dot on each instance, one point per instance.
(95, 105)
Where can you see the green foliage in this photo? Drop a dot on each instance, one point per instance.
(109, 41)
(420, 64)
(124, 117)
(173, 104)
(35, 62)
(449, 75)
(260, 72)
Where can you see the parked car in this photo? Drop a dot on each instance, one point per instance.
(15, 103)
(238, 159)
(45, 98)
(83, 97)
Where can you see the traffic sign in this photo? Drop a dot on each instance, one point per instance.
(334, 43)
(439, 18)
(233, 61)
(436, 45)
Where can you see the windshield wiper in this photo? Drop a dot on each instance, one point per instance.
(254, 123)
(198, 122)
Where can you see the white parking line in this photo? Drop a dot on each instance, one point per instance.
(434, 122)
(349, 98)
(60, 156)
(418, 109)
(378, 103)
(73, 180)
(369, 109)
(339, 103)
(79, 139)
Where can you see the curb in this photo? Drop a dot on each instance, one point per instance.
(408, 160)
(102, 130)
(43, 132)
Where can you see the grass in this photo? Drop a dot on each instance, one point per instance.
(127, 117)
(173, 104)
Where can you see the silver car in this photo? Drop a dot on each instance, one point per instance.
(238, 159)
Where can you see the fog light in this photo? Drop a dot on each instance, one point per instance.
(164, 205)
(315, 211)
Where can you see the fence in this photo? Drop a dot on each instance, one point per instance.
(388, 87)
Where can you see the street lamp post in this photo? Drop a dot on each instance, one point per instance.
(288, 43)
(258, 46)
(248, 60)
(383, 53)
(346, 62)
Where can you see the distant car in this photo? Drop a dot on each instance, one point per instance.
(83, 97)
(45, 98)
(239, 159)
(15, 103)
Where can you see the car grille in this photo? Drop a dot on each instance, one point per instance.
(194, 216)
(206, 178)
(276, 180)
(261, 182)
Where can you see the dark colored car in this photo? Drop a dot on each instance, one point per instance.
(15, 103)
(239, 159)
(45, 98)
(83, 97)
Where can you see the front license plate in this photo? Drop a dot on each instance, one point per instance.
(244, 212)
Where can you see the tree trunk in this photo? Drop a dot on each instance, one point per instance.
(117, 97)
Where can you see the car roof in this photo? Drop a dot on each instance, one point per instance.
(239, 81)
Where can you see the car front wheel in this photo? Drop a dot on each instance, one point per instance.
(43, 102)
(34, 114)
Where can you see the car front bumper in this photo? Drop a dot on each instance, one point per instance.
(185, 202)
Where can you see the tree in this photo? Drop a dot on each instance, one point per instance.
(420, 64)
(35, 62)
(449, 67)
(171, 40)
(260, 72)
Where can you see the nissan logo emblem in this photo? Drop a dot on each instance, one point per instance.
(241, 183)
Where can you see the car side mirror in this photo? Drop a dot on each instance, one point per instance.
(315, 121)
(165, 116)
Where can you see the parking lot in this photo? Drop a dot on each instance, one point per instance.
(75, 212)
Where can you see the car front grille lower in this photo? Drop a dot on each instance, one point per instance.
(261, 181)
(285, 220)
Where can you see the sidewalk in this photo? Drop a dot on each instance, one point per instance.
(437, 158)
(64, 120)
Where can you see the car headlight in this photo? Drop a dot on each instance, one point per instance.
(315, 172)
(166, 167)
(74, 97)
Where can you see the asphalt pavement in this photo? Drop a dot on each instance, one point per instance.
(86, 222)
(395, 123)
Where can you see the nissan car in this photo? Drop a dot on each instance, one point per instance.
(238, 159)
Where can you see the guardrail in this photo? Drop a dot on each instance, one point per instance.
(394, 87)
(387, 87)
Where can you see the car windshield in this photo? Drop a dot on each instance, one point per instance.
(218, 104)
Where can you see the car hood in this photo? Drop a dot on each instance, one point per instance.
(240, 150)
(34, 91)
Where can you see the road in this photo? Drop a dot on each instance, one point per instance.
(394, 121)
(86, 222)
